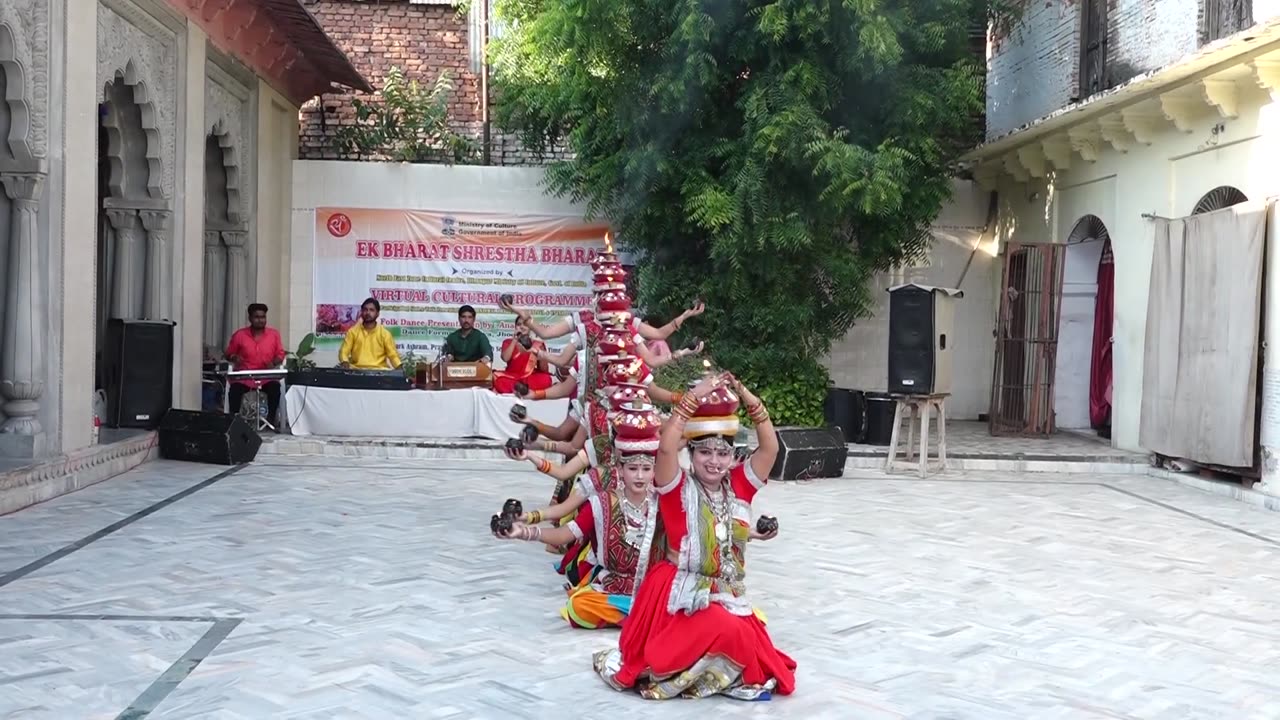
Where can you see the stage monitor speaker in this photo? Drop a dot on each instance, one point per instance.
(809, 453)
(208, 437)
(137, 369)
(921, 319)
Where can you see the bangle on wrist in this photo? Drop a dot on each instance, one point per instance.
(544, 466)
(539, 394)
(688, 406)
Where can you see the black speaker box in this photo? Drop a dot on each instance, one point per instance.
(207, 437)
(920, 323)
(880, 410)
(809, 453)
(847, 410)
(137, 364)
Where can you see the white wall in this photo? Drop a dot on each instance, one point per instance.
(462, 188)
(860, 360)
(277, 174)
(1166, 178)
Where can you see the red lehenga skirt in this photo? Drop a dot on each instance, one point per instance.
(711, 652)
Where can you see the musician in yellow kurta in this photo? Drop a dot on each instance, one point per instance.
(369, 345)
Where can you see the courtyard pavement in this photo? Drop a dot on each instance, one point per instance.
(322, 588)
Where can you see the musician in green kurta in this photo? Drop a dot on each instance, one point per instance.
(467, 344)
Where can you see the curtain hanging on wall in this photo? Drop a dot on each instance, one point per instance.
(1103, 322)
(1200, 366)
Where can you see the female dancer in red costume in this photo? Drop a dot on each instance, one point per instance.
(691, 631)
(620, 521)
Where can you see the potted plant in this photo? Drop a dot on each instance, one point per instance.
(299, 359)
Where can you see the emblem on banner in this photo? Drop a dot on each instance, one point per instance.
(339, 225)
(449, 226)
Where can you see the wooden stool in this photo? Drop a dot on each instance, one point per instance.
(918, 406)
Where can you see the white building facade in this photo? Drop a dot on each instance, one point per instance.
(146, 156)
(1104, 115)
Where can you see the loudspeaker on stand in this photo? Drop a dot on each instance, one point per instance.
(921, 319)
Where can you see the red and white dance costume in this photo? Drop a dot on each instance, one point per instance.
(691, 631)
(627, 379)
(625, 537)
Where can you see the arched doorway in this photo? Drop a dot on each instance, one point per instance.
(6, 124)
(1081, 382)
(226, 265)
(1223, 196)
(133, 271)
(216, 221)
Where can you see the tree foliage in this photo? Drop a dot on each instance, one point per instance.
(408, 122)
(768, 156)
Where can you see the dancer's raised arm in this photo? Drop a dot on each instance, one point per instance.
(668, 466)
(649, 332)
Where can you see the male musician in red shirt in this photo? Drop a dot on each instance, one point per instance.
(256, 347)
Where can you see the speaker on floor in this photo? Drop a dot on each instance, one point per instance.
(137, 370)
(880, 410)
(208, 437)
(846, 409)
(921, 319)
(809, 453)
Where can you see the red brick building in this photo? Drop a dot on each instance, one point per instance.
(422, 37)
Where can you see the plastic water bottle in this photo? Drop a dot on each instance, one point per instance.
(97, 427)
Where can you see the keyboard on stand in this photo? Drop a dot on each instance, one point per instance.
(344, 379)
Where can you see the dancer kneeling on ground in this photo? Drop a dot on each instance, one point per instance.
(691, 631)
(620, 520)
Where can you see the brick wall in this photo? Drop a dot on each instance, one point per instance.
(1036, 70)
(424, 40)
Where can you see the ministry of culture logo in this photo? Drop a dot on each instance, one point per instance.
(448, 226)
(339, 225)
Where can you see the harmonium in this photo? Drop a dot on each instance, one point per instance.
(450, 375)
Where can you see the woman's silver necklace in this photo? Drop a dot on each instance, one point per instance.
(635, 517)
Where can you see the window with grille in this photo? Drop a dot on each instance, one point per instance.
(1223, 18)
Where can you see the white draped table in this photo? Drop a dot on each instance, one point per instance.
(464, 413)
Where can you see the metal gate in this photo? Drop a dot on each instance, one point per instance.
(1027, 339)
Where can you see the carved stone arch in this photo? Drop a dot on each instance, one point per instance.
(1223, 196)
(231, 164)
(15, 78)
(1089, 227)
(118, 130)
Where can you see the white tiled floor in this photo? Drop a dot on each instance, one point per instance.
(370, 589)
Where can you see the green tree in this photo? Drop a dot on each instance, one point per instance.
(407, 122)
(767, 156)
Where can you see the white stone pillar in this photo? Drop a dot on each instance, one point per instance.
(215, 289)
(22, 363)
(237, 271)
(159, 270)
(128, 266)
(1269, 435)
